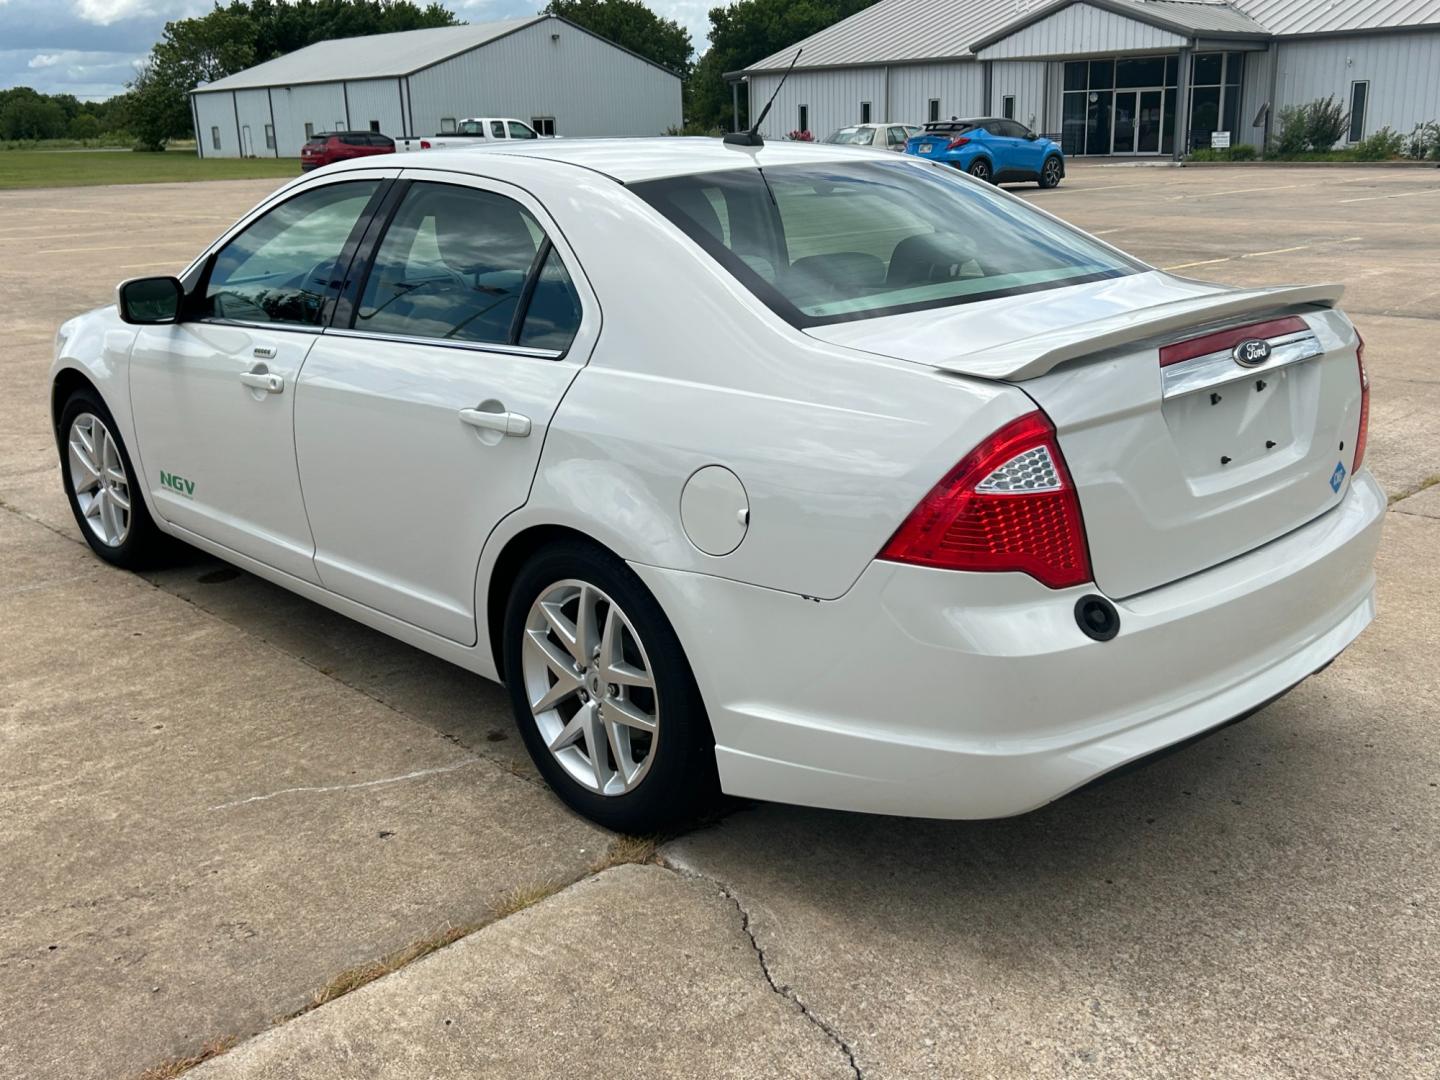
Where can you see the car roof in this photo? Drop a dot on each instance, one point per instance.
(633, 160)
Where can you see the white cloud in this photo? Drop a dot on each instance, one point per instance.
(43, 60)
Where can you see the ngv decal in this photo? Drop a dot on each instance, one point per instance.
(178, 484)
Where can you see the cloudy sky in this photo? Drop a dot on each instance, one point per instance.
(89, 47)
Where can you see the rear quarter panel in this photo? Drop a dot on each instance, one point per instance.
(833, 447)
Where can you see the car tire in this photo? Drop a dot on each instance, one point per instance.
(100, 482)
(1051, 172)
(567, 696)
(980, 170)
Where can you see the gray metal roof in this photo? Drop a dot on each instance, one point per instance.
(898, 31)
(1330, 16)
(376, 56)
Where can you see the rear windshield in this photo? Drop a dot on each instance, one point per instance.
(853, 136)
(837, 241)
(950, 127)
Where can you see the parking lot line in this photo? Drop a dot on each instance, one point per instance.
(1257, 254)
(1397, 195)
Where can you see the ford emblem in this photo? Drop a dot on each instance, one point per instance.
(1251, 353)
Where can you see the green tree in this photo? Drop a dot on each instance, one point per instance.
(28, 115)
(748, 31)
(634, 26)
(85, 126)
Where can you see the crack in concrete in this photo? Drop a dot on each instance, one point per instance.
(326, 788)
(784, 990)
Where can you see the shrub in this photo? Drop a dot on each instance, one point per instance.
(800, 136)
(1424, 141)
(1290, 137)
(1241, 152)
(1384, 145)
(1325, 123)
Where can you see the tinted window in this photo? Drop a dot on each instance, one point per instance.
(519, 130)
(472, 127)
(825, 243)
(282, 267)
(497, 129)
(453, 264)
(382, 140)
(355, 140)
(553, 314)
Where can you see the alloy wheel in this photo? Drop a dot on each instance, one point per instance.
(98, 480)
(590, 687)
(1052, 172)
(980, 171)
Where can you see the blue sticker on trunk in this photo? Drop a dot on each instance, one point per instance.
(1337, 477)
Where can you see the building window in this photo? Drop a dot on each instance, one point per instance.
(934, 113)
(1007, 106)
(1359, 96)
(543, 125)
(374, 125)
(1214, 97)
(269, 136)
(804, 118)
(864, 112)
(447, 125)
(215, 137)
(309, 131)
(341, 125)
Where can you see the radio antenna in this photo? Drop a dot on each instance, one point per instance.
(751, 137)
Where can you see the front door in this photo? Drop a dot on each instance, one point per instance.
(419, 424)
(214, 396)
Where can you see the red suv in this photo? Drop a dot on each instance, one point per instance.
(330, 146)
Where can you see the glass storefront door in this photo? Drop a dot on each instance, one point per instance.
(1148, 120)
(1126, 107)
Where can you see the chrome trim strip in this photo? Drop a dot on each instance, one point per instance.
(1218, 368)
(471, 346)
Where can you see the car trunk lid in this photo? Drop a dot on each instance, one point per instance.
(1178, 467)
(930, 143)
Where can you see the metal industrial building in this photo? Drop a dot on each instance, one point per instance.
(546, 70)
(1144, 77)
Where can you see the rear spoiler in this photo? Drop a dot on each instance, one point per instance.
(1031, 357)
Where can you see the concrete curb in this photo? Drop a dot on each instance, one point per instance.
(1310, 164)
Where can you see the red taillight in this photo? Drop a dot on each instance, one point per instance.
(1181, 351)
(424, 144)
(957, 142)
(1009, 505)
(1364, 432)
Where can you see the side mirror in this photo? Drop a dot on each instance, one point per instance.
(1031, 136)
(150, 301)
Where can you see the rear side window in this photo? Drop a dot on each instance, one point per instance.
(854, 240)
(281, 269)
(460, 264)
(497, 129)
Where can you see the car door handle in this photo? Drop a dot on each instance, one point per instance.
(261, 379)
(507, 423)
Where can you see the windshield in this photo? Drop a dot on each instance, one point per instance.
(853, 136)
(830, 242)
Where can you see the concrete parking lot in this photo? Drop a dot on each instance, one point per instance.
(216, 798)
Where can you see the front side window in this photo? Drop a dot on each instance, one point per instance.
(857, 240)
(519, 130)
(281, 269)
(454, 265)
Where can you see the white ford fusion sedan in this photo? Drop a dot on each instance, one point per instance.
(780, 470)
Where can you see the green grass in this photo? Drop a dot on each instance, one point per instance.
(85, 168)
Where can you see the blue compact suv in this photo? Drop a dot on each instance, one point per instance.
(991, 148)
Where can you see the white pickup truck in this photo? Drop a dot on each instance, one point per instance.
(472, 131)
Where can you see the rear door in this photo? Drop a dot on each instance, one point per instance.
(421, 413)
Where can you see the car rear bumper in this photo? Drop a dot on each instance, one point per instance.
(955, 695)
